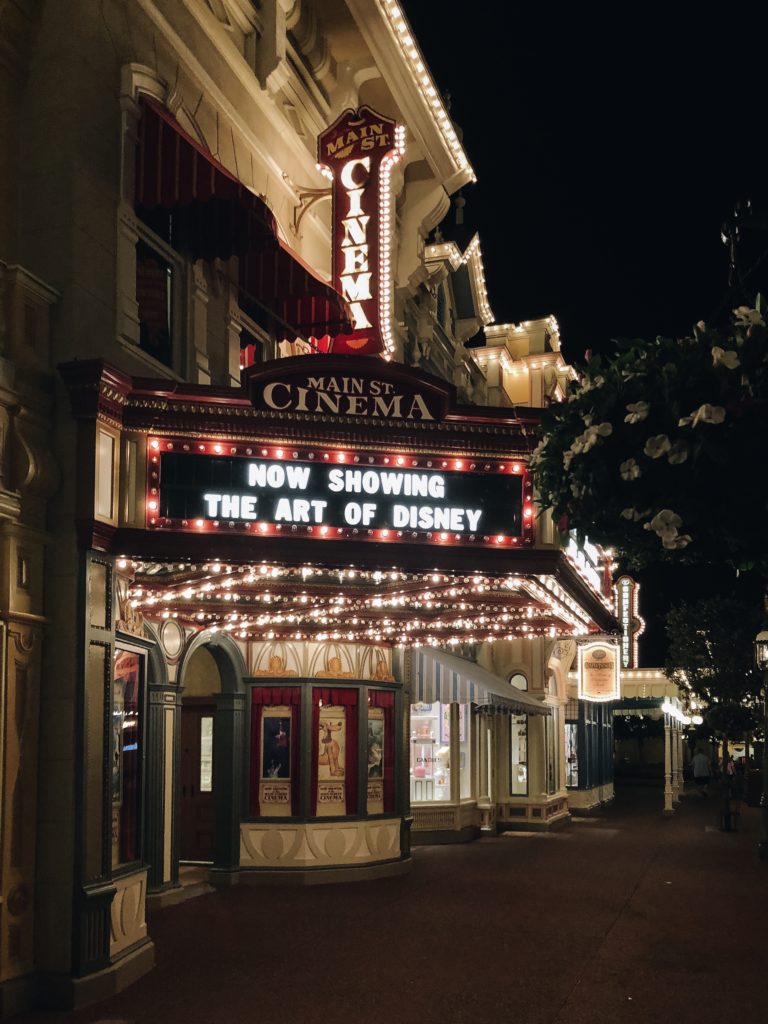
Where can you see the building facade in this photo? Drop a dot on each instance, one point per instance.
(275, 595)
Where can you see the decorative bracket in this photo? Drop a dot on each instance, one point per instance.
(307, 197)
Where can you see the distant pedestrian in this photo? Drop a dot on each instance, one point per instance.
(702, 771)
(732, 792)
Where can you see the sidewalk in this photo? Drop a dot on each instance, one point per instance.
(627, 917)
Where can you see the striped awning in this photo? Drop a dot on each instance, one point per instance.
(437, 676)
(220, 217)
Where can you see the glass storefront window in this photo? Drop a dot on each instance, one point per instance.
(126, 757)
(550, 746)
(465, 747)
(571, 754)
(518, 746)
(206, 754)
(430, 770)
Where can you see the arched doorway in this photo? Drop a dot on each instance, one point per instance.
(201, 685)
(211, 682)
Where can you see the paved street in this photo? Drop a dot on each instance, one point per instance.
(627, 917)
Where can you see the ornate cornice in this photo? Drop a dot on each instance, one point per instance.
(148, 406)
(96, 390)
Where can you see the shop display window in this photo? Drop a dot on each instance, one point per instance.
(551, 725)
(465, 747)
(571, 754)
(430, 769)
(275, 718)
(126, 743)
(380, 795)
(518, 747)
(334, 752)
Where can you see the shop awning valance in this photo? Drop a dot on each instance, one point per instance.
(217, 216)
(437, 675)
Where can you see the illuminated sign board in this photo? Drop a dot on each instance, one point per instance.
(330, 495)
(344, 395)
(358, 151)
(599, 675)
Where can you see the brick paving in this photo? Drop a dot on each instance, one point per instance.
(626, 917)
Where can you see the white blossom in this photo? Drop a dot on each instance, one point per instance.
(633, 515)
(567, 458)
(708, 414)
(666, 525)
(747, 317)
(657, 446)
(637, 412)
(726, 358)
(680, 540)
(605, 429)
(678, 453)
(589, 384)
(629, 470)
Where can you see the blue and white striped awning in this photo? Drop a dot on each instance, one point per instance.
(437, 676)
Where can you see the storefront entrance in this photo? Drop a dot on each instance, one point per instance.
(196, 769)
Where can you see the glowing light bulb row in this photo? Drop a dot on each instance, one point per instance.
(473, 257)
(386, 201)
(278, 452)
(424, 81)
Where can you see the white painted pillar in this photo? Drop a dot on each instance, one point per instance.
(668, 795)
(675, 763)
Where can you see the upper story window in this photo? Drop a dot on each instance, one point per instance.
(519, 680)
(156, 282)
(441, 305)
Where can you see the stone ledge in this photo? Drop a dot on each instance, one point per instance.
(311, 876)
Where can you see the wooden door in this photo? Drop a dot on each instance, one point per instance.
(197, 793)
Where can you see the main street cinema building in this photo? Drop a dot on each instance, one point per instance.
(276, 597)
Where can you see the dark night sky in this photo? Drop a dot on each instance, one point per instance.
(609, 145)
(608, 153)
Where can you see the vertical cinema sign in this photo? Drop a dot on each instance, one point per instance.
(360, 149)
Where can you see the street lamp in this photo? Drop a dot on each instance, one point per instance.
(761, 660)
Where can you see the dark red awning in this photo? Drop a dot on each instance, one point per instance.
(220, 217)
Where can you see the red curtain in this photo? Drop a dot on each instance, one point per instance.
(274, 696)
(348, 700)
(385, 699)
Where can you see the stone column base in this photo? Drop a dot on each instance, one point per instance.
(57, 992)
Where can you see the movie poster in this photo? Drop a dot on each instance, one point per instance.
(331, 754)
(275, 780)
(375, 760)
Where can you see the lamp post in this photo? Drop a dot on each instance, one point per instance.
(761, 660)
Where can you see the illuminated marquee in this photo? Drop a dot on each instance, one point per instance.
(359, 150)
(599, 675)
(213, 487)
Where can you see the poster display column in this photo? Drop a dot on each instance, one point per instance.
(381, 752)
(275, 745)
(334, 752)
